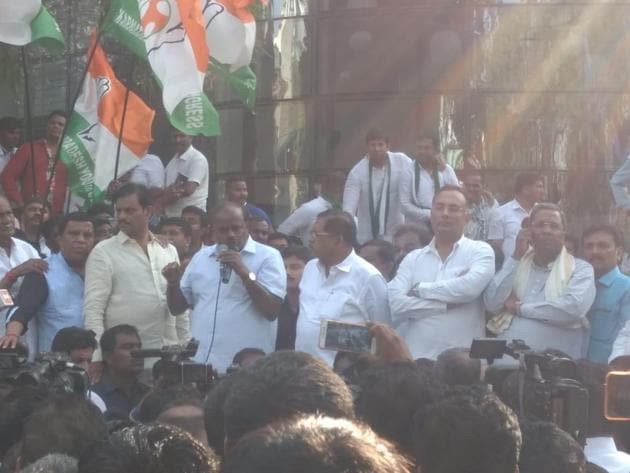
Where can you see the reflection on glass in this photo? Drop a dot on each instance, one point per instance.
(278, 139)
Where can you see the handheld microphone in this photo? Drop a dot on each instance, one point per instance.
(224, 269)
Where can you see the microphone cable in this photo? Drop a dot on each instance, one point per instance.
(214, 321)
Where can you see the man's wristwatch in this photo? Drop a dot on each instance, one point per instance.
(251, 277)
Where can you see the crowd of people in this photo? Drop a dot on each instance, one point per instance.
(424, 257)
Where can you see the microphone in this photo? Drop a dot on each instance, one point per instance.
(224, 269)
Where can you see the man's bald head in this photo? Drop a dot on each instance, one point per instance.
(228, 225)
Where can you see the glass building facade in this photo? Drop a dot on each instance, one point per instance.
(511, 85)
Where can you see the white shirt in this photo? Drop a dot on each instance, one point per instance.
(5, 156)
(560, 323)
(21, 252)
(505, 223)
(301, 221)
(417, 205)
(239, 323)
(603, 452)
(447, 311)
(124, 285)
(356, 196)
(354, 291)
(149, 172)
(193, 165)
(621, 347)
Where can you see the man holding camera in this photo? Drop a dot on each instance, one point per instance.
(426, 175)
(542, 293)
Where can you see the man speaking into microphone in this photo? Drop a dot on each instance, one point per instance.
(235, 289)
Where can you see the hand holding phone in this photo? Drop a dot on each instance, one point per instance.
(523, 239)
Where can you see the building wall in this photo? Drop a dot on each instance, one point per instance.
(531, 85)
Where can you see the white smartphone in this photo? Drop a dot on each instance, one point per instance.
(341, 336)
(5, 298)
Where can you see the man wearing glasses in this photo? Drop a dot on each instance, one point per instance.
(542, 293)
(338, 284)
(435, 298)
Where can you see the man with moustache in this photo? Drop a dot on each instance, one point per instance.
(31, 222)
(423, 179)
(435, 298)
(234, 288)
(542, 294)
(26, 176)
(602, 246)
(17, 258)
(10, 133)
(372, 194)
(54, 299)
(186, 177)
(123, 277)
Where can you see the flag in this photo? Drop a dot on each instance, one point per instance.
(230, 36)
(26, 21)
(230, 31)
(170, 35)
(91, 140)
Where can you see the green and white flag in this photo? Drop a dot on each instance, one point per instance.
(170, 34)
(26, 21)
(92, 136)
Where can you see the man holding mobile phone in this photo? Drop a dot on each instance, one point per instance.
(338, 284)
(427, 174)
(186, 177)
(542, 293)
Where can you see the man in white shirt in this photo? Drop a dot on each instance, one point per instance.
(505, 221)
(17, 258)
(234, 288)
(423, 179)
(338, 284)
(542, 293)
(149, 172)
(435, 297)
(186, 177)
(372, 191)
(123, 277)
(10, 132)
(301, 221)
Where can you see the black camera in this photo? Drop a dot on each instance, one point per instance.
(544, 386)
(54, 371)
(175, 365)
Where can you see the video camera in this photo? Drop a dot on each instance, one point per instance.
(54, 371)
(544, 385)
(175, 365)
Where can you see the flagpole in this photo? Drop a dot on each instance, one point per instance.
(74, 102)
(29, 117)
(122, 119)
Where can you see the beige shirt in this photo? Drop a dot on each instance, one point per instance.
(124, 286)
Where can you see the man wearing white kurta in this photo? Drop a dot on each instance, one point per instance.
(435, 298)
(229, 311)
(186, 177)
(372, 190)
(300, 222)
(505, 221)
(423, 179)
(542, 293)
(337, 285)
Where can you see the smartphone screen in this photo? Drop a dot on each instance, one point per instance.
(339, 336)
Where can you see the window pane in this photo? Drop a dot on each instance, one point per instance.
(405, 50)
(278, 138)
